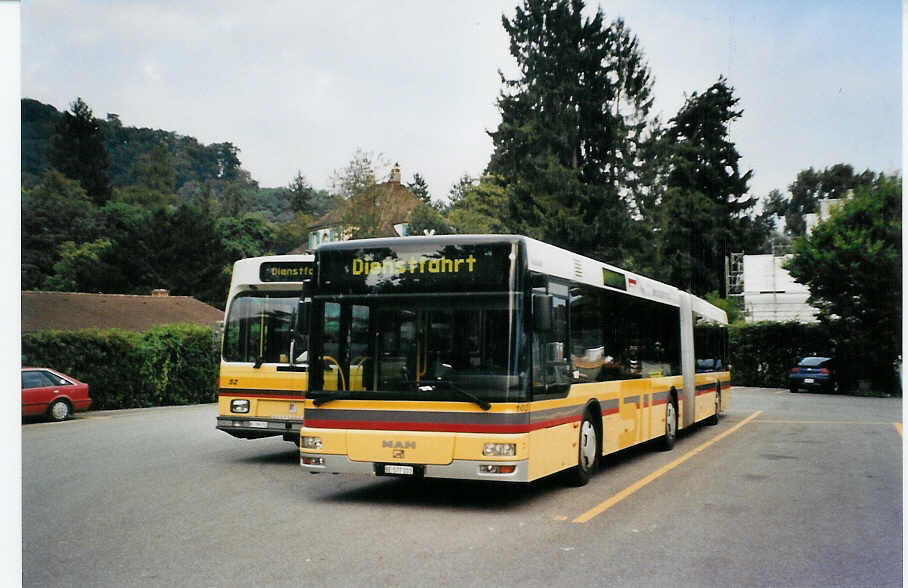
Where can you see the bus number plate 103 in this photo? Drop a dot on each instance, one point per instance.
(399, 470)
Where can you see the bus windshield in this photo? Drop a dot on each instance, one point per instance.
(258, 327)
(434, 347)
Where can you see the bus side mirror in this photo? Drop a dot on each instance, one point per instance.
(543, 313)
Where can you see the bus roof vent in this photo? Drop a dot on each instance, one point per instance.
(578, 269)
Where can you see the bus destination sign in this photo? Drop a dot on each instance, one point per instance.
(476, 267)
(286, 271)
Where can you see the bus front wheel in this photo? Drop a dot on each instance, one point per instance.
(587, 452)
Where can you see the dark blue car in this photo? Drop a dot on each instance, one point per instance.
(814, 373)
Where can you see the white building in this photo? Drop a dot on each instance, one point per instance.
(769, 291)
(812, 219)
(771, 294)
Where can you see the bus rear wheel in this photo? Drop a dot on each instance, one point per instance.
(714, 419)
(587, 453)
(671, 426)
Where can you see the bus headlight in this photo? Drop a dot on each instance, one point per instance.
(311, 442)
(499, 449)
(497, 469)
(240, 405)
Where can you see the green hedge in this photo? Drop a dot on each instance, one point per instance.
(761, 354)
(173, 364)
(178, 364)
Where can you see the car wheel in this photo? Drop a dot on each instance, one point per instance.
(587, 453)
(792, 388)
(671, 426)
(59, 410)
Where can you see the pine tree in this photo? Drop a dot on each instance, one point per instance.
(300, 194)
(566, 146)
(77, 151)
(420, 188)
(705, 203)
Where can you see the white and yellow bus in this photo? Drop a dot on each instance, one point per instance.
(497, 357)
(260, 394)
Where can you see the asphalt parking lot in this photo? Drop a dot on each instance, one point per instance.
(788, 490)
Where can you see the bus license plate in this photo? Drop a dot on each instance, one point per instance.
(258, 424)
(399, 470)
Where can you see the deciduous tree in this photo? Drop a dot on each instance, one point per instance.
(479, 208)
(852, 264)
(244, 236)
(54, 211)
(426, 220)
(360, 209)
(80, 268)
(811, 186)
(291, 234)
(154, 170)
(357, 176)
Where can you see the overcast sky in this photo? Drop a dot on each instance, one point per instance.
(300, 85)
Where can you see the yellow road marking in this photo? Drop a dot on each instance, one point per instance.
(898, 427)
(605, 505)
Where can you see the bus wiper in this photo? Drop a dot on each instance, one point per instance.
(322, 398)
(258, 362)
(483, 404)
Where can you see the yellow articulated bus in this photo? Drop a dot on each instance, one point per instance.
(497, 357)
(260, 393)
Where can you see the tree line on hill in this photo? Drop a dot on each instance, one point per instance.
(579, 160)
(119, 209)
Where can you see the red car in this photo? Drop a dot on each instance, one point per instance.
(48, 392)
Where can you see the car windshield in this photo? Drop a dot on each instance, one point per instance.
(417, 348)
(813, 361)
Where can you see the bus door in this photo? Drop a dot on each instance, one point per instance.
(550, 362)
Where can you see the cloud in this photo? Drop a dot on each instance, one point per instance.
(301, 85)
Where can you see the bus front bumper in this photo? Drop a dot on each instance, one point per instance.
(257, 428)
(457, 469)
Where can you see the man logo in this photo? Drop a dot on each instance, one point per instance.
(397, 454)
(399, 444)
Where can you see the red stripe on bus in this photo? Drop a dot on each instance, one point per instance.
(265, 395)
